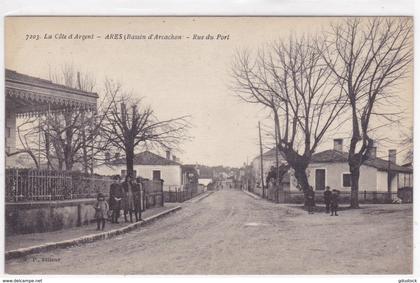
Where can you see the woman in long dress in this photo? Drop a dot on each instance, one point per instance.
(129, 207)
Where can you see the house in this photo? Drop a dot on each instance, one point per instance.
(269, 161)
(151, 166)
(28, 96)
(330, 168)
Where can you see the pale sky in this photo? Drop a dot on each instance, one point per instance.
(176, 77)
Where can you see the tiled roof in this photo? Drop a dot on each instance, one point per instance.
(331, 155)
(147, 158)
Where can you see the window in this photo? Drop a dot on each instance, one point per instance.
(8, 132)
(346, 180)
(319, 179)
(156, 175)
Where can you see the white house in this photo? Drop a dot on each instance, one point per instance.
(150, 166)
(269, 160)
(330, 168)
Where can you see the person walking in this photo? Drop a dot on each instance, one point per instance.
(101, 211)
(128, 202)
(334, 202)
(327, 199)
(115, 197)
(310, 200)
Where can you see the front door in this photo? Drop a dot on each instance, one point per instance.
(320, 179)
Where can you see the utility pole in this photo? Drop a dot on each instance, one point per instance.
(261, 157)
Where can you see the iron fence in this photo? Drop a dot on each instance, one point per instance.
(184, 193)
(47, 185)
(37, 185)
(278, 196)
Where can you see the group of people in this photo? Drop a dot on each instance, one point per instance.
(124, 196)
(330, 200)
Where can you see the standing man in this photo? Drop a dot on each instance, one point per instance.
(310, 200)
(115, 198)
(327, 199)
(334, 202)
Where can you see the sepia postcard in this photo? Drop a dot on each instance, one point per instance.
(208, 145)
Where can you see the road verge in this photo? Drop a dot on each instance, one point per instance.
(86, 239)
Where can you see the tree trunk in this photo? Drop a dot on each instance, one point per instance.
(355, 173)
(302, 179)
(129, 156)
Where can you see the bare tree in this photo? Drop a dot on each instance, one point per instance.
(368, 57)
(69, 136)
(291, 80)
(407, 143)
(24, 134)
(128, 125)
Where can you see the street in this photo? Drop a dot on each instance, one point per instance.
(230, 232)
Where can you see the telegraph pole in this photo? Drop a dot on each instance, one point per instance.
(261, 157)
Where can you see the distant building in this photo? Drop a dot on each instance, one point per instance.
(151, 166)
(269, 160)
(330, 168)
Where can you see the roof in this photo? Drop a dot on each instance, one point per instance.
(30, 80)
(32, 94)
(147, 158)
(330, 156)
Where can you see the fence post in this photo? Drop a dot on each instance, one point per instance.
(162, 196)
(17, 185)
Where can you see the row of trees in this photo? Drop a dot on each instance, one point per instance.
(311, 84)
(121, 125)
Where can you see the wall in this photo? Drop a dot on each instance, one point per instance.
(171, 174)
(333, 176)
(36, 217)
(268, 161)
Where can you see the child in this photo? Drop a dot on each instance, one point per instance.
(101, 208)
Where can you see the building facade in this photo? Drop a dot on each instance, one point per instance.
(151, 166)
(28, 96)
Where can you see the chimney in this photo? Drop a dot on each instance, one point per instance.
(117, 155)
(392, 155)
(168, 154)
(372, 154)
(338, 144)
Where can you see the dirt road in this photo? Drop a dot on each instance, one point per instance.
(230, 232)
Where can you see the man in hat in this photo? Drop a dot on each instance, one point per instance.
(310, 200)
(115, 198)
(334, 202)
(327, 199)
